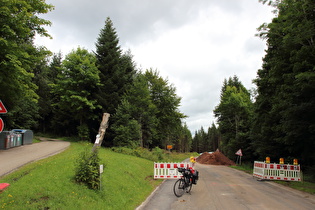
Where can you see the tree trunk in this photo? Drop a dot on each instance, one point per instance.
(101, 131)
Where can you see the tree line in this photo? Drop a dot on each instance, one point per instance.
(278, 118)
(68, 95)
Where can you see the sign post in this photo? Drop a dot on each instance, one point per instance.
(239, 156)
(101, 171)
(3, 110)
(169, 147)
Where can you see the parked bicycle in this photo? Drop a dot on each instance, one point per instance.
(184, 184)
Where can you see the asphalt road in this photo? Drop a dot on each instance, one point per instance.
(221, 187)
(16, 157)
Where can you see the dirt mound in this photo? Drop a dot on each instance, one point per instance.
(215, 158)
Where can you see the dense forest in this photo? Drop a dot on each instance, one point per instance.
(66, 95)
(278, 119)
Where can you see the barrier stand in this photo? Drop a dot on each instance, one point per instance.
(169, 170)
(274, 171)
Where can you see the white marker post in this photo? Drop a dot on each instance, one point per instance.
(101, 171)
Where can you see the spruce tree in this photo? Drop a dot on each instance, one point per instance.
(284, 120)
(116, 74)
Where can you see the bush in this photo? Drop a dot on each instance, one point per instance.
(159, 153)
(83, 132)
(87, 169)
(156, 154)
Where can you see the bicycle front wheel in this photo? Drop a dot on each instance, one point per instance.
(188, 185)
(179, 187)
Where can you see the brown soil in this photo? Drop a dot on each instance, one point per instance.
(215, 158)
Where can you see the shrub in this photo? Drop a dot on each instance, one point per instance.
(87, 169)
(156, 154)
(159, 153)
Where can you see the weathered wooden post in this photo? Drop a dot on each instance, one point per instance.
(101, 132)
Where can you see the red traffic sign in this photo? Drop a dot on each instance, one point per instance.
(239, 152)
(1, 125)
(3, 110)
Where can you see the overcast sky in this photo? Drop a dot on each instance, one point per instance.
(194, 44)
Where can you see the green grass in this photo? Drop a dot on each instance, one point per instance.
(178, 157)
(304, 186)
(246, 167)
(48, 184)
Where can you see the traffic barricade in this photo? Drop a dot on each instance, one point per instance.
(274, 171)
(169, 170)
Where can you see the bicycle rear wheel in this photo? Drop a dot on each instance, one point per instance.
(179, 187)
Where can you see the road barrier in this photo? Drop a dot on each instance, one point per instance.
(169, 170)
(274, 171)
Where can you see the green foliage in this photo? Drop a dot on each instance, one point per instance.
(234, 115)
(116, 70)
(18, 57)
(126, 183)
(159, 153)
(135, 115)
(156, 154)
(116, 74)
(183, 140)
(148, 115)
(163, 96)
(83, 132)
(284, 120)
(87, 169)
(78, 78)
(206, 141)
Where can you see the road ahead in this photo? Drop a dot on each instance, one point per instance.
(221, 187)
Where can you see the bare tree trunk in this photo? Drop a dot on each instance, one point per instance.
(101, 131)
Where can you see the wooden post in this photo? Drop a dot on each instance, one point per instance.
(101, 131)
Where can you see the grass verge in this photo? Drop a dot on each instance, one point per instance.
(48, 183)
(304, 186)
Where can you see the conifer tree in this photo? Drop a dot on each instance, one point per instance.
(284, 122)
(116, 74)
(234, 115)
(116, 69)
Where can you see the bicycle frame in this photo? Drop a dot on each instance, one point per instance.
(184, 184)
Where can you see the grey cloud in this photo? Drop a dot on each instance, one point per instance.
(196, 64)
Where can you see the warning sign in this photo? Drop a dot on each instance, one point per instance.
(169, 146)
(3, 110)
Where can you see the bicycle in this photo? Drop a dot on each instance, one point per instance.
(184, 184)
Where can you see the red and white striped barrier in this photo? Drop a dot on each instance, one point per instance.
(274, 171)
(169, 170)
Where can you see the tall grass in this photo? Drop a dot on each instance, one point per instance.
(49, 183)
(156, 154)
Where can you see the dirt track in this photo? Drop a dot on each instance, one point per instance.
(14, 158)
(221, 187)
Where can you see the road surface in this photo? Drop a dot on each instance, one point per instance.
(16, 157)
(221, 187)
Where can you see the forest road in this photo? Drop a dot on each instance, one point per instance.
(14, 158)
(222, 187)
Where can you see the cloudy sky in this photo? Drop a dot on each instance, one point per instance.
(194, 44)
